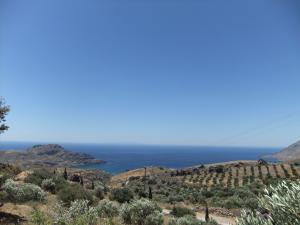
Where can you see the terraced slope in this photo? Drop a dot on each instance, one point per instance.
(236, 175)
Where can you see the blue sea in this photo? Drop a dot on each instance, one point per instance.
(120, 158)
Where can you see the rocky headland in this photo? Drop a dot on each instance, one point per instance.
(49, 155)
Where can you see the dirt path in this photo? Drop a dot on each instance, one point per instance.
(201, 216)
(220, 219)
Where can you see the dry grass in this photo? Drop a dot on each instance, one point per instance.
(118, 179)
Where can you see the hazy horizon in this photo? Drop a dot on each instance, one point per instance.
(30, 143)
(204, 73)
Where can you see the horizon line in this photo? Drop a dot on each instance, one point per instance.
(137, 144)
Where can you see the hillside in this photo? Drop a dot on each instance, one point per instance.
(225, 187)
(231, 174)
(290, 153)
(50, 155)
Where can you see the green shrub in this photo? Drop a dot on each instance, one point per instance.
(22, 192)
(174, 198)
(48, 185)
(107, 209)
(72, 192)
(38, 176)
(154, 219)
(233, 202)
(79, 213)
(121, 195)
(141, 212)
(100, 189)
(60, 182)
(179, 211)
(99, 192)
(197, 197)
(250, 203)
(190, 220)
(3, 178)
(39, 218)
(142, 194)
(3, 196)
(207, 194)
(280, 203)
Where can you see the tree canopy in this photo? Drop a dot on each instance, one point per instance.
(4, 109)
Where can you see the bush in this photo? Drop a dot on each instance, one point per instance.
(99, 192)
(38, 176)
(190, 220)
(251, 203)
(3, 196)
(175, 198)
(22, 192)
(207, 194)
(121, 195)
(48, 185)
(197, 197)
(60, 182)
(179, 211)
(79, 213)
(186, 220)
(154, 219)
(141, 212)
(39, 218)
(3, 178)
(281, 205)
(233, 202)
(107, 209)
(72, 192)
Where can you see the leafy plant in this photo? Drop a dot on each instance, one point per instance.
(79, 213)
(72, 192)
(38, 176)
(107, 209)
(121, 195)
(141, 212)
(190, 220)
(280, 205)
(179, 211)
(39, 218)
(22, 192)
(48, 185)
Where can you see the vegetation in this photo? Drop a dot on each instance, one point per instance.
(278, 205)
(79, 213)
(48, 185)
(228, 186)
(38, 176)
(121, 195)
(72, 192)
(178, 211)
(190, 220)
(107, 209)
(4, 109)
(39, 218)
(22, 192)
(141, 212)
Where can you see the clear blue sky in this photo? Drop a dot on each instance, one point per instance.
(207, 72)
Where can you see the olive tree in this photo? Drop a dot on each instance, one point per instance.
(4, 109)
(107, 209)
(141, 212)
(279, 205)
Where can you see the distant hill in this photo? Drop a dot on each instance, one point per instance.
(47, 155)
(290, 153)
